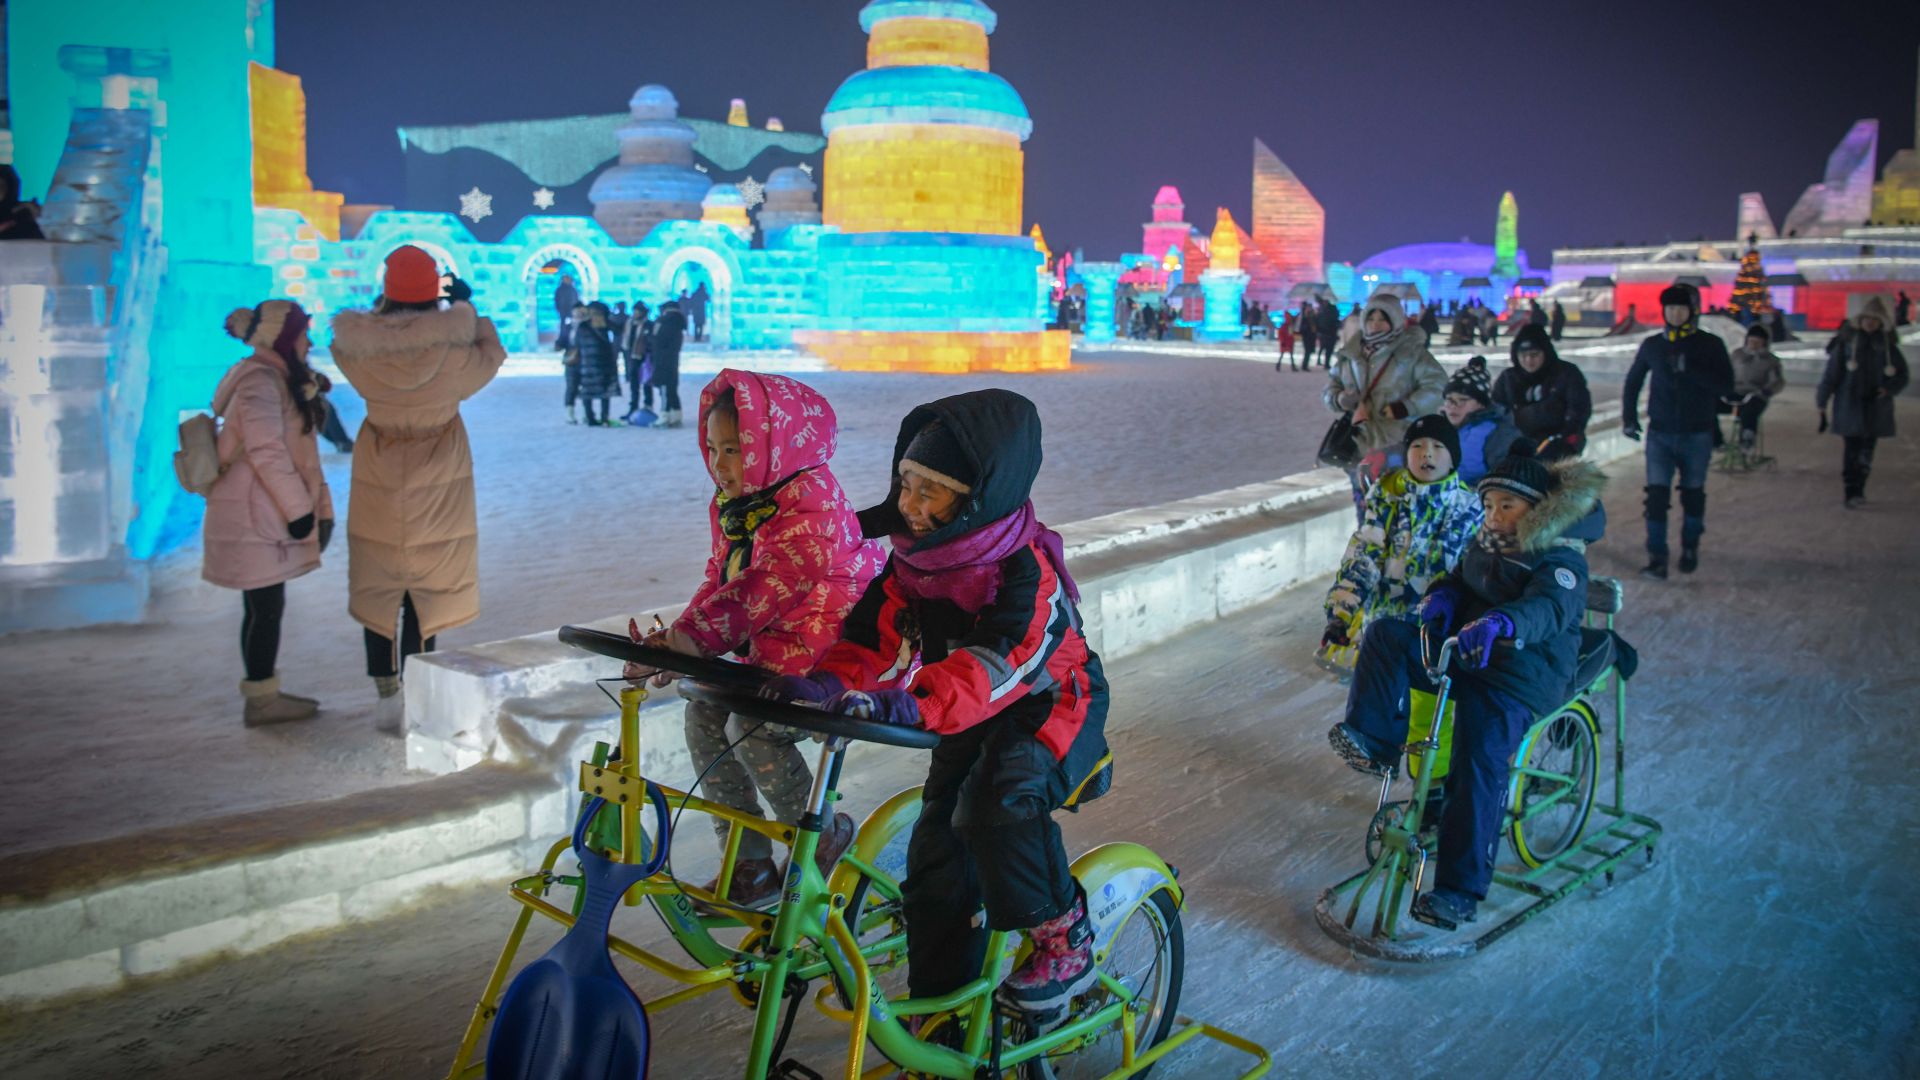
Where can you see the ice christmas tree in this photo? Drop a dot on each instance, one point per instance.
(1750, 285)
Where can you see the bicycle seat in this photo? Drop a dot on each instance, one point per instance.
(805, 717)
(621, 647)
(1596, 656)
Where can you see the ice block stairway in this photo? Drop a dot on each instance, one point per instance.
(76, 313)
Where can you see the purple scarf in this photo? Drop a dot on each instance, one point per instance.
(965, 571)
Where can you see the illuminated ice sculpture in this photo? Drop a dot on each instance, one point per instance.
(1223, 284)
(1101, 279)
(929, 269)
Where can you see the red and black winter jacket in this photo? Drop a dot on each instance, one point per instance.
(1023, 658)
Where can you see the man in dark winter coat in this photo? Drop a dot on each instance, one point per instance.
(1557, 322)
(1515, 604)
(1309, 329)
(1429, 322)
(697, 311)
(669, 333)
(1865, 372)
(1689, 373)
(594, 346)
(1547, 396)
(633, 345)
(1536, 315)
(1329, 328)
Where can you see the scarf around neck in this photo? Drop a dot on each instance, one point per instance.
(965, 571)
(1371, 343)
(740, 518)
(1496, 543)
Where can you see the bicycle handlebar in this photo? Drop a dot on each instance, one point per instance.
(795, 715)
(620, 647)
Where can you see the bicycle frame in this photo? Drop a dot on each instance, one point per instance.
(807, 938)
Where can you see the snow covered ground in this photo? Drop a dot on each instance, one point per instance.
(1771, 734)
(576, 523)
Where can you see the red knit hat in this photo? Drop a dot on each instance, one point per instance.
(412, 276)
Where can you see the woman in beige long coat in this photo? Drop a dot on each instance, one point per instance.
(413, 555)
(269, 515)
(1384, 373)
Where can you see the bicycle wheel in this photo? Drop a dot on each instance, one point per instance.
(1567, 745)
(873, 917)
(1148, 957)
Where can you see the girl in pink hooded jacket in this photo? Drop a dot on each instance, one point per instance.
(788, 564)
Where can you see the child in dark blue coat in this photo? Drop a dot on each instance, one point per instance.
(1515, 603)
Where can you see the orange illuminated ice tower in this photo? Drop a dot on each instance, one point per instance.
(929, 269)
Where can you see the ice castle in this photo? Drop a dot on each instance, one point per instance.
(175, 155)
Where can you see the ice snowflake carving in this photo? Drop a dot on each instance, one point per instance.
(543, 199)
(476, 204)
(753, 191)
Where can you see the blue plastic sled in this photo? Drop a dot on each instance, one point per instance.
(569, 1015)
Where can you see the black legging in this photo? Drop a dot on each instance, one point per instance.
(381, 663)
(260, 629)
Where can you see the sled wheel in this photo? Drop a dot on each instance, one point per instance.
(1148, 957)
(1566, 745)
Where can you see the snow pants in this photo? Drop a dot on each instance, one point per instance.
(766, 760)
(986, 835)
(1487, 725)
(1856, 461)
(1687, 454)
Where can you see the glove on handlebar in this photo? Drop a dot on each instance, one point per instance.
(1478, 636)
(1337, 633)
(816, 688)
(1436, 611)
(897, 707)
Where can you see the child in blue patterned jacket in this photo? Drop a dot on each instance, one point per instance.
(1415, 525)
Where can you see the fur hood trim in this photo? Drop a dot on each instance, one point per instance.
(1576, 491)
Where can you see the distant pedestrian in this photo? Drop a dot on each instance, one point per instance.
(1430, 323)
(696, 311)
(634, 347)
(269, 515)
(1903, 310)
(570, 361)
(1536, 315)
(1557, 322)
(599, 370)
(1284, 332)
(413, 539)
(1329, 318)
(1865, 372)
(669, 334)
(1309, 330)
(1689, 373)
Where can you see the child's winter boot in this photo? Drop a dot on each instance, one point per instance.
(1059, 967)
(573, 417)
(265, 704)
(390, 715)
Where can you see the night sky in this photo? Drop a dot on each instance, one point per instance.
(1621, 121)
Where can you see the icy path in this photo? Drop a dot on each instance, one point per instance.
(576, 523)
(1772, 735)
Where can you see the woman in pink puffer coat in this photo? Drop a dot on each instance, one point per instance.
(269, 516)
(788, 564)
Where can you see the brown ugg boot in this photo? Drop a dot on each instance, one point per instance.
(267, 705)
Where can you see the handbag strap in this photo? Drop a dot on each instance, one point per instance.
(1375, 381)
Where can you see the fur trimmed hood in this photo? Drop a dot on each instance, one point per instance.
(403, 353)
(1574, 499)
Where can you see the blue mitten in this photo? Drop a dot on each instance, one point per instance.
(1436, 611)
(815, 688)
(1477, 638)
(897, 707)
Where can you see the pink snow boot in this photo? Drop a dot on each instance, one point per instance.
(1059, 968)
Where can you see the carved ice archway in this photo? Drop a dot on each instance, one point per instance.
(720, 306)
(571, 254)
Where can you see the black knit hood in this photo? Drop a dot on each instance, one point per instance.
(1533, 337)
(999, 434)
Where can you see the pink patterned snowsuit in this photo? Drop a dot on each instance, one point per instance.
(808, 567)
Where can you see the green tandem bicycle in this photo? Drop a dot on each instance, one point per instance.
(842, 932)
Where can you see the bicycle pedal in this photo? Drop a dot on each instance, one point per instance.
(1433, 919)
(793, 1070)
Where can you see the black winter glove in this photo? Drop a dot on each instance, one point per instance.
(301, 527)
(1823, 422)
(1336, 633)
(326, 533)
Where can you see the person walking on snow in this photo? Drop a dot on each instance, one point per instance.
(1329, 318)
(413, 543)
(1687, 373)
(669, 334)
(1865, 372)
(269, 515)
(1557, 321)
(697, 311)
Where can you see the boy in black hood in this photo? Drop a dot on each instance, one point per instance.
(1547, 396)
(973, 630)
(1515, 603)
(1690, 373)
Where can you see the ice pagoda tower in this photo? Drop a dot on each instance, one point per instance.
(930, 268)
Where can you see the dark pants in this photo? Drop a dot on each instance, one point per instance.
(331, 429)
(261, 610)
(1487, 725)
(1326, 351)
(1685, 456)
(669, 395)
(1856, 461)
(985, 836)
(606, 409)
(573, 383)
(381, 661)
(1749, 413)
